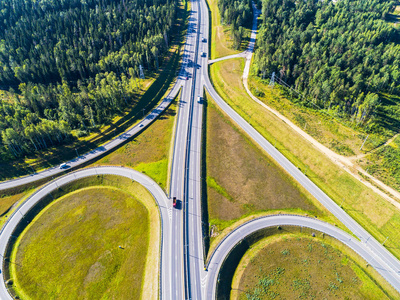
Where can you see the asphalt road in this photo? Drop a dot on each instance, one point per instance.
(389, 262)
(194, 235)
(163, 203)
(220, 253)
(180, 167)
(183, 275)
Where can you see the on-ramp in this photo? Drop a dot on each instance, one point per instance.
(160, 197)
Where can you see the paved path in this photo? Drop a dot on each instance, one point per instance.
(241, 54)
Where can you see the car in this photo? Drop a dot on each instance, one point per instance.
(141, 125)
(174, 202)
(203, 54)
(204, 40)
(187, 77)
(199, 99)
(63, 166)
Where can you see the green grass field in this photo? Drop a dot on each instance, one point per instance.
(296, 266)
(243, 181)
(374, 213)
(71, 249)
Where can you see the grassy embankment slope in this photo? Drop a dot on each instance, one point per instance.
(71, 249)
(8, 202)
(383, 163)
(220, 34)
(153, 89)
(376, 157)
(374, 213)
(243, 182)
(293, 265)
(149, 152)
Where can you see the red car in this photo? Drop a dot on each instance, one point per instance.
(174, 201)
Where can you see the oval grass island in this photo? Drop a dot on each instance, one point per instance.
(98, 240)
(295, 265)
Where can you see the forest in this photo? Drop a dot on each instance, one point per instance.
(340, 56)
(238, 14)
(73, 64)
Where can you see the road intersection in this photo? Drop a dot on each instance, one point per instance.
(182, 274)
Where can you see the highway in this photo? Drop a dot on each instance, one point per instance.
(163, 203)
(194, 235)
(179, 171)
(182, 268)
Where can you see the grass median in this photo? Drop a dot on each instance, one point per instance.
(373, 212)
(244, 182)
(99, 240)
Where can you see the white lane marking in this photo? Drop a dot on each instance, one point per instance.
(204, 281)
(170, 213)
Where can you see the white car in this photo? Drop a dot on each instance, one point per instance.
(63, 166)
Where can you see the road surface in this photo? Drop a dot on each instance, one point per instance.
(183, 276)
(163, 203)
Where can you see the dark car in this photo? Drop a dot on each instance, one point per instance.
(174, 202)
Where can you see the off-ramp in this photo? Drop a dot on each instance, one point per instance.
(162, 200)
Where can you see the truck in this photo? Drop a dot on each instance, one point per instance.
(174, 201)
